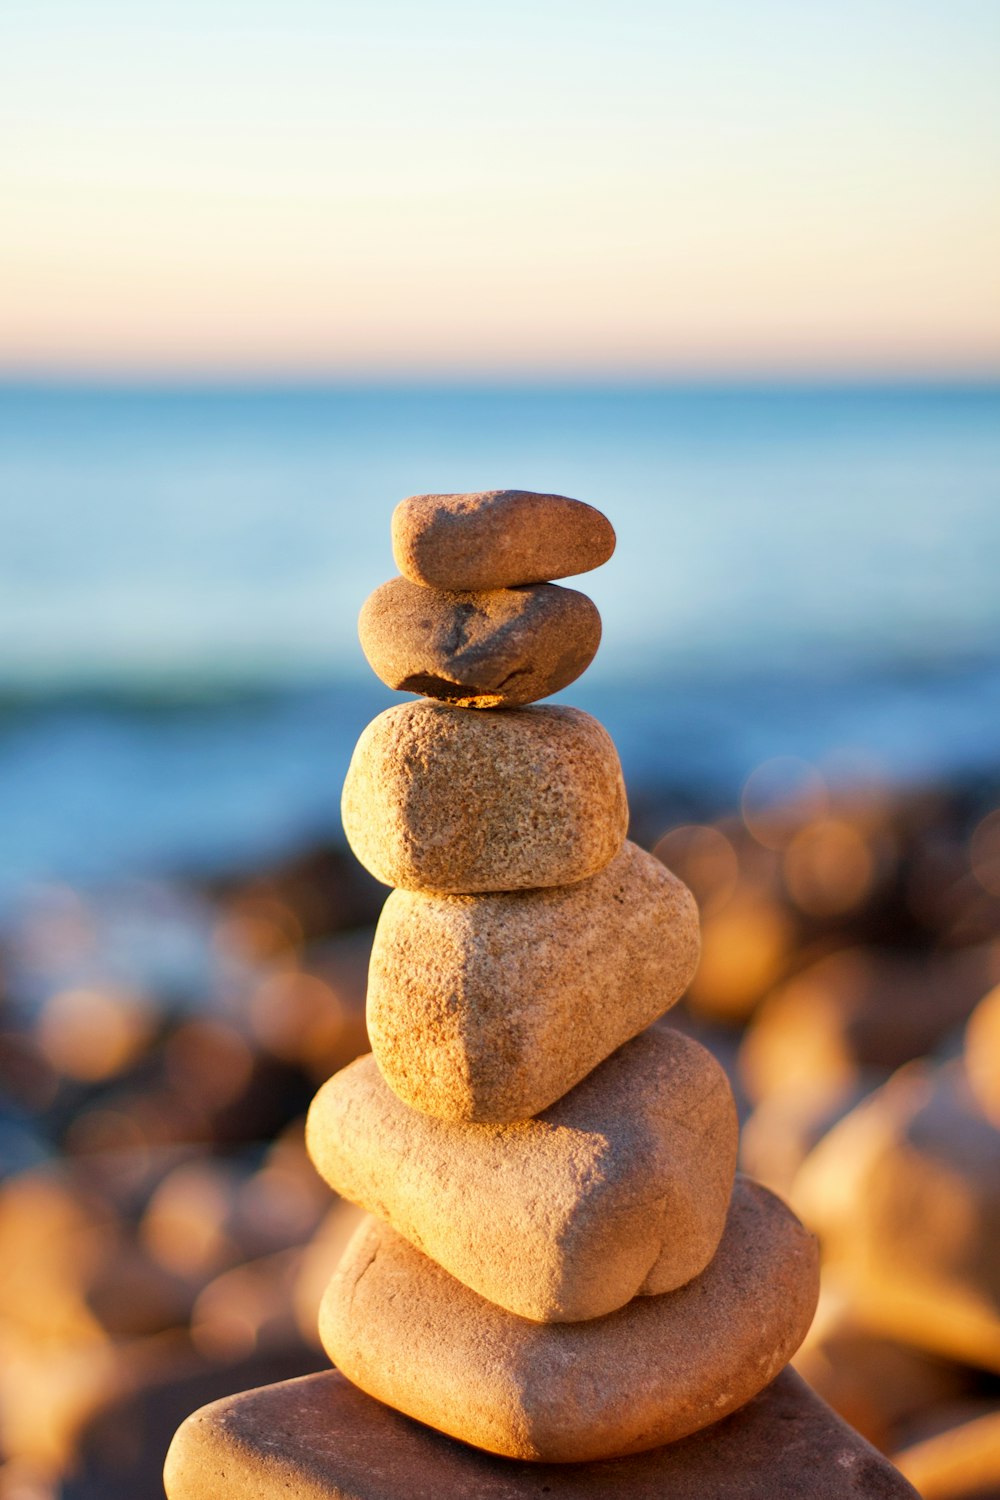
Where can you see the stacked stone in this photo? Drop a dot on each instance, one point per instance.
(559, 1263)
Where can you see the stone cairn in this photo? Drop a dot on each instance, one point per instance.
(559, 1263)
(556, 1266)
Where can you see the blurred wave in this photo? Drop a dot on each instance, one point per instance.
(800, 571)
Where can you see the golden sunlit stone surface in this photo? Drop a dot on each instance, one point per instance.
(960, 1463)
(496, 539)
(441, 799)
(661, 1367)
(497, 649)
(878, 1384)
(621, 1187)
(490, 1008)
(319, 1438)
(905, 1193)
(982, 1054)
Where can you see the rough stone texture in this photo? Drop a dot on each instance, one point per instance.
(320, 1438)
(497, 649)
(905, 1193)
(497, 538)
(411, 1335)
(490, 1008)
(439, 799)
(621, 1187)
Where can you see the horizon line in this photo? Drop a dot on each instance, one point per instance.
(292, 379)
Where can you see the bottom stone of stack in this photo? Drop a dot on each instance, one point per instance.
(408, 1333)
(319, 1438)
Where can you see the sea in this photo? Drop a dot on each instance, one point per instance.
(803, 573)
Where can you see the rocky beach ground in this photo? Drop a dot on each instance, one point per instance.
(165, 1241)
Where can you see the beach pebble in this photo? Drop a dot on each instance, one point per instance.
(857, 1012)
(657, 1369)
(495, 539)
(960, 1462)
(320, 1438)
(620, 1188)
(491, 1008)
(982, 1054)
(880, 1385)
(495, 649)
(905, 1193)
(438, 799)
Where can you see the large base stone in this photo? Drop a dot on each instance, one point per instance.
(319, 1438)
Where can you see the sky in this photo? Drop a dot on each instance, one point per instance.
(381, 188)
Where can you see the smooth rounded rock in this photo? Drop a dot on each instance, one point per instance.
(982, 1054)
(439, 799)
(620, 1188)
(959, 1462)
(490, 1008)
(905, 1192)
(497, 649)
(496, 539)
(406, 1332)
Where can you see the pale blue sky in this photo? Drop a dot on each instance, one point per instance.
(550, 187)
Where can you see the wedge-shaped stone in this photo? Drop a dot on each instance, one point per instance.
(320, 1438)
(496, 649)
(494, 539)
(621, 1187)
(411, 1335)
(490, 1008)
(440, 799)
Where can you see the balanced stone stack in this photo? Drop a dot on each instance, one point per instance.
(559, 1263)
(556, 1266)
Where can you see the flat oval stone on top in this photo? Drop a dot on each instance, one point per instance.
(440, 799)
(496, 539)
(496, 649)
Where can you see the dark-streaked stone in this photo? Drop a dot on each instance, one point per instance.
(496, 649)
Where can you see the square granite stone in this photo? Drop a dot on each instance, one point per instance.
(319, 1438)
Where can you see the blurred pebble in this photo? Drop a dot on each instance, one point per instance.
(905, 1195)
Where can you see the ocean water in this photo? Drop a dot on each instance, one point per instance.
(800, 571)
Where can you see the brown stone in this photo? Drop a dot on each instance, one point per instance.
(495, 539)
(411, 1335)
(879, 1385)
(497, 649)
(320, 1438)
(440, 799)
(621, 1187)
(490, 1008)
(960, 1463)
(855, 1012)
(982, 1054)
(780, 1133)
(905, 1193)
